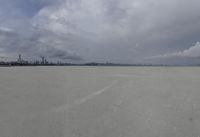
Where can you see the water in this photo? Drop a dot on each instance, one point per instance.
(100, 102)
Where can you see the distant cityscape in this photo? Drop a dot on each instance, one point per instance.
(45, 62)
(42, 62)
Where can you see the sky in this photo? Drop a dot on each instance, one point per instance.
(119, 31)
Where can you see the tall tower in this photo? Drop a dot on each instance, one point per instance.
(43, 60)
(19, 59)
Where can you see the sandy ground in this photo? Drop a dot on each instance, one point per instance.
(100, 102)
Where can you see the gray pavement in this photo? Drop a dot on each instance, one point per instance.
(100, 102)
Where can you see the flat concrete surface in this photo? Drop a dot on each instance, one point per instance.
(100, 102)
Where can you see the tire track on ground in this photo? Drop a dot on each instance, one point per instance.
(84, 99)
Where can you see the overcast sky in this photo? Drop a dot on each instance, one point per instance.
(121, 31)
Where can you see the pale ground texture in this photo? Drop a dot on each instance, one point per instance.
(100, 102)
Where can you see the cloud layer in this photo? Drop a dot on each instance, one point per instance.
(192, 52)
(128, 31)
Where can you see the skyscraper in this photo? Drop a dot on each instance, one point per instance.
(43, 61)
(19, 59)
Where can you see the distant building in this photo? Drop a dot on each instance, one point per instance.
(43, 61)
(19, 59)
(46, 61)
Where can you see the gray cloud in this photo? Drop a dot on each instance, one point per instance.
(192, 52)
(61, 54)
(35, 45)
(127, 31)
(188, 56)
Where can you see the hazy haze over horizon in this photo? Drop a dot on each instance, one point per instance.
(121, 31)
